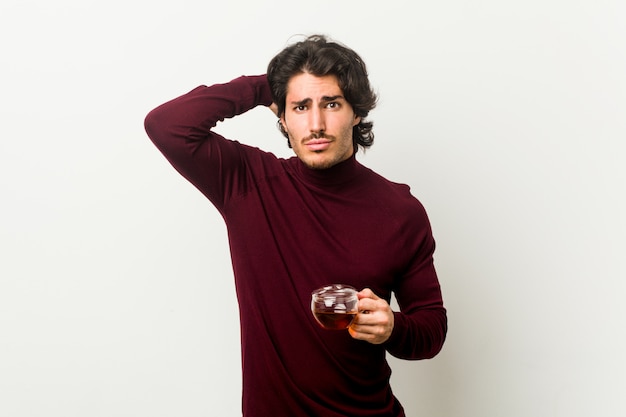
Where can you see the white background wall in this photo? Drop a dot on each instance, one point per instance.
(506, 118)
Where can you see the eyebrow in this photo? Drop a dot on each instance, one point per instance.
(324, 99)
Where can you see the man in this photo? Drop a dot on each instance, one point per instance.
(297, 224)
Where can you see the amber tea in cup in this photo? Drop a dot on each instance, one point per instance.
(334, 306)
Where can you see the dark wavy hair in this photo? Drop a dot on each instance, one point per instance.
(318, 56)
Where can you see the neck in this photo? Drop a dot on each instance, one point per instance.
(339, 174)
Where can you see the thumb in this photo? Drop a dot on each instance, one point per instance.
(367, 293)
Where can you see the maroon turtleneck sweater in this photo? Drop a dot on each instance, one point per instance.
(291, 230)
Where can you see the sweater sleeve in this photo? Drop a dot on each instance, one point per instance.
(420, 326)
(182, 130)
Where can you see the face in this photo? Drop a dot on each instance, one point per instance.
(318, 120)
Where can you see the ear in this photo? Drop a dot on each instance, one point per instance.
(357, 120)
(282, 126)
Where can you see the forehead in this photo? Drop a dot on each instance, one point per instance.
(306, 85)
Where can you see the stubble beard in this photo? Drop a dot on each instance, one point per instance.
(324, 163)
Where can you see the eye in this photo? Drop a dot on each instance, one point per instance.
(300, 108)
(332, 105)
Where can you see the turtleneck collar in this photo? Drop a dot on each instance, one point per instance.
(339, 174)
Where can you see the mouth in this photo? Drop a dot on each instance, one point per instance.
(317, 145)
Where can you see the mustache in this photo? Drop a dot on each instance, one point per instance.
(318, 135)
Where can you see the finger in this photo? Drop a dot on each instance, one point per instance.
(367, 293)
(372, 334)
(362, 332)
(372, 318)
(364, 328)
(368, 305)
(367, 318)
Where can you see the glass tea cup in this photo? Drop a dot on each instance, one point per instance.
(334, 306)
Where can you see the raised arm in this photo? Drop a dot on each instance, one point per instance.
(182, 130)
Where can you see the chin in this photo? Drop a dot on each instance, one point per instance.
(317, 163)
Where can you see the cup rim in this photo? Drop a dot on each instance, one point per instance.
(336, 289)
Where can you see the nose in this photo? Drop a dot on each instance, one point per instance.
(317, 123)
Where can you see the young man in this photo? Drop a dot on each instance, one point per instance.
(297, 224)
